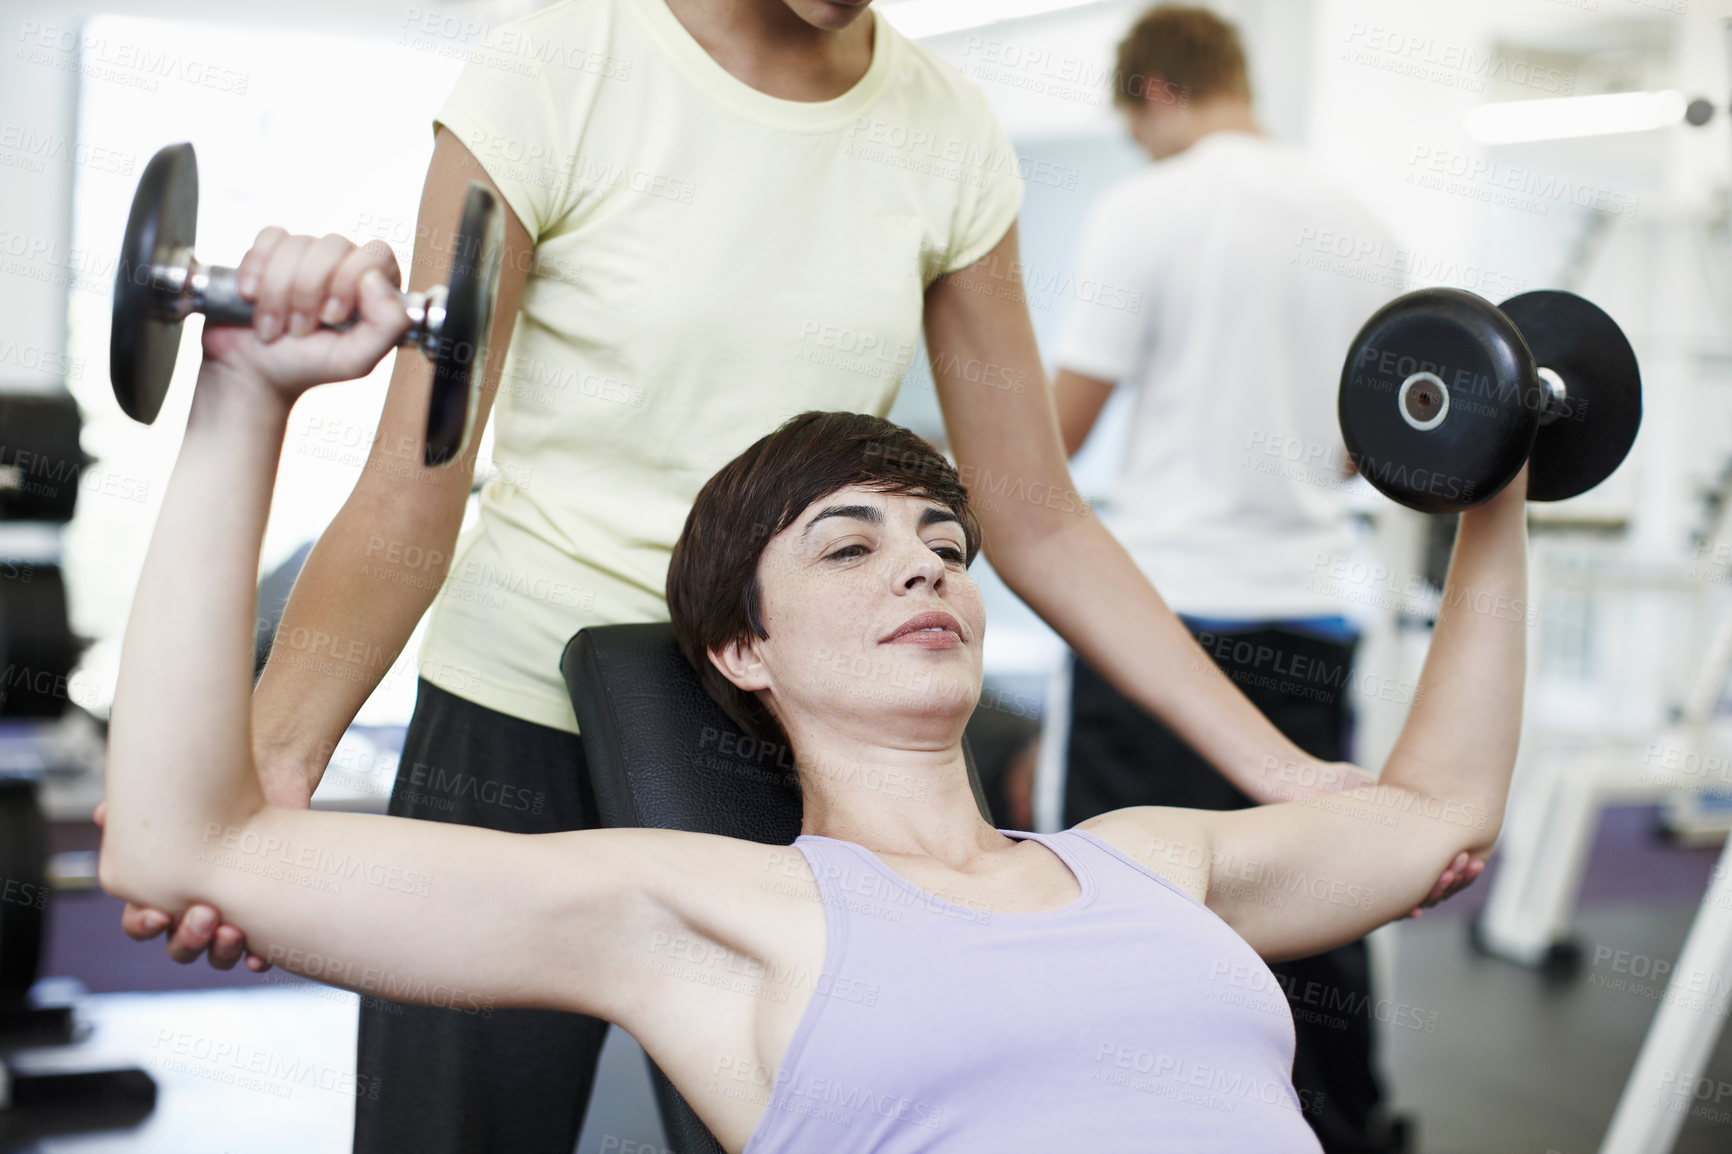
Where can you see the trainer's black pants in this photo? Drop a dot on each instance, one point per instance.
(465, 1079)
(1120, 756)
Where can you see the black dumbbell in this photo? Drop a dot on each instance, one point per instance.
(1444, 395)
(158, 284)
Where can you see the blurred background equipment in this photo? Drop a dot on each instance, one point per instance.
(41, 462)
(41, 467)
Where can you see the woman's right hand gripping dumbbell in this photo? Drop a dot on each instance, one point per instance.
(294, 282)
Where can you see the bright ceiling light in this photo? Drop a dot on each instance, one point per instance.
(916, 19)
(1569, 116)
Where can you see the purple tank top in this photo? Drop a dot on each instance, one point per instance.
(1131, 1021)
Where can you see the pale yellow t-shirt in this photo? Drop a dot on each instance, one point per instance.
(709, 261)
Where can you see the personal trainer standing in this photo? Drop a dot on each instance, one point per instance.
(1230, 485)
(723, 213)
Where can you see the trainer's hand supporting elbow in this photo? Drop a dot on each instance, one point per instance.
(200, 927)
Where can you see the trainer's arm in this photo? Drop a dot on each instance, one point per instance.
(1297, 879)
(397, 509)
(1050, 548)
(423, 912)
(1079, 400)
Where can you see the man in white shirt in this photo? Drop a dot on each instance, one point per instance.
(1198, 295)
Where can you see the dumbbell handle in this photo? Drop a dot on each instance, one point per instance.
(1557, 395)
(183, 286)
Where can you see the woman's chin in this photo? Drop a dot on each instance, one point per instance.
(947, 700)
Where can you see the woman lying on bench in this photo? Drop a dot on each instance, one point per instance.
(904, 977)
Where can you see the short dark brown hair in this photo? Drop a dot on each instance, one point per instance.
(1180, 54)
(713, 591)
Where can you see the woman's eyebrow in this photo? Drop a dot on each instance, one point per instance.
(867, 513)
(871, 515)
(934, 516)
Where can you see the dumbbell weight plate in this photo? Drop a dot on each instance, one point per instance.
(142, 346)
(1594, 429)
(1439, 401)
(462, 353)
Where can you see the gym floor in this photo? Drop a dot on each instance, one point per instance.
(1513, 1062)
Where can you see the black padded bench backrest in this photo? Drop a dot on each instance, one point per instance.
(662, 755)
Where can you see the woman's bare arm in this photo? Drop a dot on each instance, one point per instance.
(422, 912)
(1298, 878)
(397, 509)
